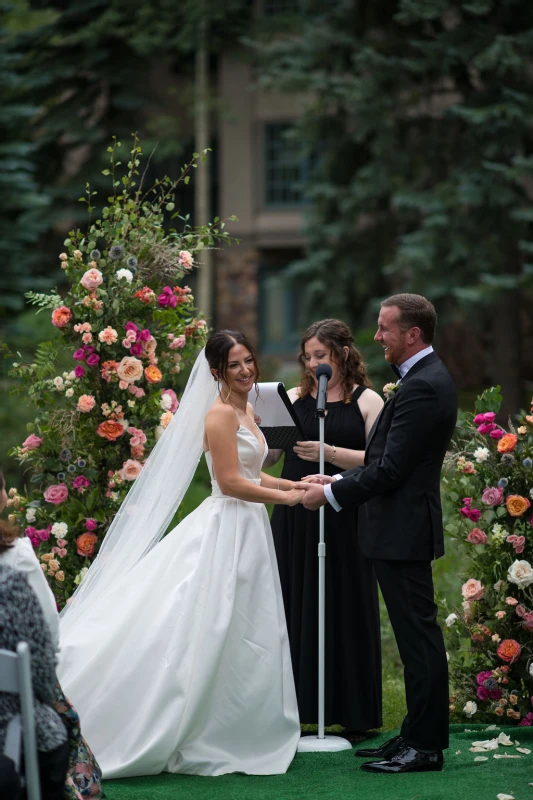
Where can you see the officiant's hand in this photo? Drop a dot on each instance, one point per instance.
(314, 495)
(321, 479)
(308, 451)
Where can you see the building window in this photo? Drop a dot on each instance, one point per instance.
(286, 167)
(279, 313)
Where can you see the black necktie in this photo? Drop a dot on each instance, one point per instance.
(396, 371)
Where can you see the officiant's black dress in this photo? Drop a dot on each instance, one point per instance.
(353, 656)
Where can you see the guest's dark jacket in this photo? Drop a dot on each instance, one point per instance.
(398, 489)
(22, 620)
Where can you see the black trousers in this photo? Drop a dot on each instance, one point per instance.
(407, 588)
(53, 766)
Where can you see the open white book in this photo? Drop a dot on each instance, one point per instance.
(279, 423)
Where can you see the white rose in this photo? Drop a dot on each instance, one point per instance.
(497, 529)
(71, 376)
(69, 392)
(530, 669)
(451, 619)
(59, 384)
(165, 402)
(31, 515)
(59, 530)
(470, 708)
(81, 575)
(520, 573)
(125, 273)
(481, 455)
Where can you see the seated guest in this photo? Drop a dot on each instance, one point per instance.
(84, 775)
(21, 620)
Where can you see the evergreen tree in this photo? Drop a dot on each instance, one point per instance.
(420, 111)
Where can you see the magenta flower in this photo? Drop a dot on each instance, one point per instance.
(482, 693)
(497, 433)
(144, 335)
(488, 416)
(79, 372)
(43, 534)
(93, 359)
(136, 349)
(131, 326)
(81, 483)
(91, 524)
(32, 535)
(495, 694)
(470, 513)
(483, 676)
(89, 349)
(486, 427)
(79, 355)
(167, 298)
(56, 494)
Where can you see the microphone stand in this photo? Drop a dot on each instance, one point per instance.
(322, 743)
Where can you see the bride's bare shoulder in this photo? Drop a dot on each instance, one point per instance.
(221, 414)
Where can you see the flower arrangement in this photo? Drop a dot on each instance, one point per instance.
(126, 330)
(489, 480)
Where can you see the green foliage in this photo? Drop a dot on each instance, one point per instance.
(489, 400)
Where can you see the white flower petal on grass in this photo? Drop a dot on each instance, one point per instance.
(524, 750)
(504, 797)
(505, 755)
(481, 758)
(504, 739)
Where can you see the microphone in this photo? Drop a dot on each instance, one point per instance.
(323, 374)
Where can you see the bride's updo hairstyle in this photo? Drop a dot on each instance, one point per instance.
(335, 335)
(217, 351)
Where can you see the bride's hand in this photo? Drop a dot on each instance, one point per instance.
(321, 479)
(294, 496)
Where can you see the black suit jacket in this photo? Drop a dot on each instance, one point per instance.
(398, 489)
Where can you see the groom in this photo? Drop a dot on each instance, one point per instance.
(400, 522)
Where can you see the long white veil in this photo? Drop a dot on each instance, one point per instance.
(149, 506)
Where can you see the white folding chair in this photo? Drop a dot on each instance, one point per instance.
(15, 678)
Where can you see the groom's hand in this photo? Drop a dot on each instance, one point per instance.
(322, 479)
(314, 495)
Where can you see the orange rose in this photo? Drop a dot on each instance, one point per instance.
(516, 504)
(509, 650)
(507, 443)
(61, 316)
(153, 374)
(110, 430)
(85, 544)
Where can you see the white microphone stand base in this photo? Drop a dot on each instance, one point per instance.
(329, 744)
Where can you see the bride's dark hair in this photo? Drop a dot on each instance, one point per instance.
(217, 350)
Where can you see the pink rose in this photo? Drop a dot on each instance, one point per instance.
(79, 355)
(185, 259)
(167, 298)
(130, 470)
(527, 621)
(483, 676)
(33, 442)
(174, 400)
(472, 590)
(511, 601)
(482, 693)
(520, 610)
(492, 496)
(79, 372)
(108, 335)
(86, 403)
(497, 433)
(91, 524)
(44, 534)
(56, 494)
(86, 338)
(488, 416)
(32, 535)
(93, 359)
(131, 326)
(89, 349)
(486, 427)
(144, 335)
(81, 483)
(470, 513)
(137, 436)
(476, 536)
(91, 279)
(178, 343)
(130, 369)
(136, 349)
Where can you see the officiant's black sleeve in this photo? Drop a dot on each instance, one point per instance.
(409, 439)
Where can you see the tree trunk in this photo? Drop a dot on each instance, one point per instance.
(202, 213)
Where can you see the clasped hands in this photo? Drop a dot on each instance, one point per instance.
(313, 488)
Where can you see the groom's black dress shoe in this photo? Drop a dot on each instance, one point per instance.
(407, 759)
(386, 750)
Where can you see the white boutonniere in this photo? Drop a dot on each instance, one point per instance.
(390, 389)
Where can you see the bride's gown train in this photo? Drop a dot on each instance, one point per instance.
(184, 665)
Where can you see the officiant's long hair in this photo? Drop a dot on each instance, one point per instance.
(335, 335)
(217, 351)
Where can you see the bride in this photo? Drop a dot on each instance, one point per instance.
(175, 652)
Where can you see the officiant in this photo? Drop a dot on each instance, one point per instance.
(353, 657)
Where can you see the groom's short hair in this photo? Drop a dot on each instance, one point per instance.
(415, 312)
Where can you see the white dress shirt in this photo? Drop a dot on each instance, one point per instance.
(21, 557)
(404, 369)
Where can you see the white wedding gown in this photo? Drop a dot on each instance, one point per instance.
(184, 665)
